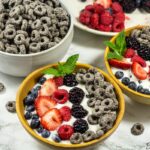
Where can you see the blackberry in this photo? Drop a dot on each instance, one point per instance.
(70, 80)
(80, 126)
(76, 95)
(144, 52)
(146, 5)
(128, 5)
(132, 43)
(78, 111)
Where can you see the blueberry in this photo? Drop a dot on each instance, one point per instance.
(132, 85)
(38, 88)
(45, 133)
(28, 115)
(42, 80)
(30, 108)
(35, 123)
(140, 89)
(119, 74)
(146, 91)
(29, 100)
(40, 129)
(35, 116)
(35, 93)
(125, 80)
(56, 138)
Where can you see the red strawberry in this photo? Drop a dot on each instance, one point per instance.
(129, 53)
(116, 7)
(48, 88)
(106, 18)
(105, 3)
(59, 81)
(52, 119)
(119, 64)
(65, 132)
(140, 60)
(138, 71)
(43, 104)
(61, 96)
(98, 8)
(66, 113)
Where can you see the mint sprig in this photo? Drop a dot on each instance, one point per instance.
(118, 48)
(64, 68)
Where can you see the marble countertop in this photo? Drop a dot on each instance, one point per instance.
(91, 50)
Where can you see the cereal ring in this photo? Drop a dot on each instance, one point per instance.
(11, 106)
(108, 103)
(20, 39)
(14, 12)
(10, 26)
(40, 10)
(24, 25)
(98, 82)
(52, 28)
(49, 3)
(2, 47)
(57, 39)
(116, 103)
(51, 44)
(76, 138)
(27, 42)
(34, 47)
(109, 92)
(22, 49)
(46, 20)
(91, 102)
(1, 7)
(35, 36)
(9, 33)
(92, 119)
(90, 88)
(107, 84)
(136, 33)
(44, 30)
(17, 20)
(99, 133)
(36, 24)
(99, 110)
(44, 42)
(137, 129)
(63, 31)
(88, 77)
(55, 33)
(22, 8)
(22, 32)
(59, 11)
(80, 78)
(98, 103)
(56, 3)
(2, 87)
(4, 17)
(31, 14)
(92, 70)
(82, 71)
(12, 49)
(99, 93)
(88, 136)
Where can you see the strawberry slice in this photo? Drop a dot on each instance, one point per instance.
(51, 119)
(129, 53)
(138, 71)
(120, 64)
(140, 60)
(105, 3)
(48, 88)
(43, 104)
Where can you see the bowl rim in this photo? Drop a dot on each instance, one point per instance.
(52, 48)
(68, 146)
(110, 70)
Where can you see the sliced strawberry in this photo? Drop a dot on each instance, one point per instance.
(59, 81)
(43, 104)
(52, 119)
(105, 3)
(138, 71)
(119, 64)
(140, 60)
(129, 53)
(48, 88)
(66, 113)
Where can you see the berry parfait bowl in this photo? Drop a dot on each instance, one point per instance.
(127, 59)
(70, 105)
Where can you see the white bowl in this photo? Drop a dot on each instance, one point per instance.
(21, 65)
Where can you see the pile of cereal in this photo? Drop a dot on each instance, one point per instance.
(31, 26)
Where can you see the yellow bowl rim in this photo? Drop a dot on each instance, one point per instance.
(109, 68)
(35, 135)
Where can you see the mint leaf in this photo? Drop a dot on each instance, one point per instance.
(52, 71)
(113, 55)
(111, 45)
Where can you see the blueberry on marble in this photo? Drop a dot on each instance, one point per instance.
(40, 129)
(125, 80)
(56, 138)
(35, 123)
(132, 85)
(42, 80)
(45, 133)
(30, 108)
(28, 115)
(35, 116)
(119, 74)
(29, 100)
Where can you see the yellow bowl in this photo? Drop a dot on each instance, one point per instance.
(141, 98)
(28, 84)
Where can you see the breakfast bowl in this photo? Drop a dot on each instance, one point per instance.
(63, 141)
(132, 72)
(37, 39)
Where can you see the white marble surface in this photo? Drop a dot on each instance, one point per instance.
(91, 50)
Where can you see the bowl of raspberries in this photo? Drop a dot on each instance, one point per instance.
(32, 34)
(77, 107)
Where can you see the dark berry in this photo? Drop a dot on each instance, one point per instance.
(45, 133)
(30, 108)
(34, 92)
(125, 80)
(28, 115)
(132, 85)
(119, 74)
(76, 95)
(138, 3)
(80, 126)
(140, 89)
(35, 123)
(78, 111)
(132, 43)
(41, 80)
(146, 5)
(38, 88)
(35, 116)
(83, 0)
(29, 100)
(146, 91)
(70, 80)
(40, 129)
(56, 138)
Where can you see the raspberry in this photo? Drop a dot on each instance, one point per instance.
(119, 16)
(98, 8)
(90, 8)
(66, 113)
(129, 53)
(102, 27)
(94, 20)
(106, 18)
(84, 17)
(118, 26)
(65, 132)
(59, 81)
(116, 7)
